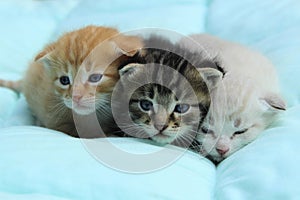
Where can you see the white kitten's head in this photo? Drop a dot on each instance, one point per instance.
(236, 119)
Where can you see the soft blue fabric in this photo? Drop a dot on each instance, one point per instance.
(269, 26)
(38, 163)
(268, 168)
(25, 26)
(182, 16)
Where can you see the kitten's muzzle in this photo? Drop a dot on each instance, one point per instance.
(223, 146)
(82, 105)
(77, 98)
(160, 127)
(222, 151)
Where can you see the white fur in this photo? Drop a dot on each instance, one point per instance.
(249, 78)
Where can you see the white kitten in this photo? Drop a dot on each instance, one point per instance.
(246, 101)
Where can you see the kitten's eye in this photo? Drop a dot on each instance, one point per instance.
(95, 78)
(206, 130)
(146, 105)
(240, 132)
(64, 80)
(182, 108)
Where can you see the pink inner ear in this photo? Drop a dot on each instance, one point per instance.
(237, 122)
(275, 102)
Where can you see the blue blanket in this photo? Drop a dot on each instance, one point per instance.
(38, 163)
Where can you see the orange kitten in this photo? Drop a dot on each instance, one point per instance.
(76, 73)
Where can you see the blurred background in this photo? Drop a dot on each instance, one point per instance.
(27, 25)
(270, 26)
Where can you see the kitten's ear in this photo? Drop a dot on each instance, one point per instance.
(43, 58)
(128, 45)
(273, 102)
(45, 55)
(48, 49)
(211, 76)
(40, 56)
(130, 69)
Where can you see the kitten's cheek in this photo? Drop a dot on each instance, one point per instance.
(57, 93)
(68, 103)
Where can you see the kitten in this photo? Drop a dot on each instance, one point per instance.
(74, 76)
(244, 103)
(166, 96)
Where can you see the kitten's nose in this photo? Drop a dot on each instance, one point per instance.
(160, 127)
(76, 98)
(222, 151)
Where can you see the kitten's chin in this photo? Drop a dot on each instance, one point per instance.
(162, 138)
(81, 109)
(216, 159)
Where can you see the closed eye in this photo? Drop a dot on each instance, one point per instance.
(206, 130)
(241, 131)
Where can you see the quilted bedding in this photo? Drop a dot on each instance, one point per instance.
(38, 163)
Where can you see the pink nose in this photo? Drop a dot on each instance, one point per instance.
(222, 151)
(160, 127)
(76, 98)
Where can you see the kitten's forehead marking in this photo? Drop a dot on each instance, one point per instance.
(84, 48)
(81, 76)
(237, 122)
(165, 100)
(156, 105)
(72, 41)
(91, 67)
(160, 110)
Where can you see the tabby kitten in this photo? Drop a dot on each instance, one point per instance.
(167, 93)
(74, 76)
(245, 102)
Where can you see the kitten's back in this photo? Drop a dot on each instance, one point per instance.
(238, 61)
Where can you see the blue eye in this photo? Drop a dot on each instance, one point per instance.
(95, 78)
(146, 105)
(64, 80)
(182, 108)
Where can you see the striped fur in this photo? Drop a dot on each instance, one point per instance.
(167, 76)
(14, 85)
(76, 55)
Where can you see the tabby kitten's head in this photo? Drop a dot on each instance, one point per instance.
(83, 66)
(166, 96)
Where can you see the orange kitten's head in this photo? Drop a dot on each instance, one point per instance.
(83, 66)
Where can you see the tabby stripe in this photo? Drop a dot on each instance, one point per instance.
(110, 75)
(196, 105)
(14, 85)
(133, 101)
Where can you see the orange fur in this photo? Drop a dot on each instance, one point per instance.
(14, 85)
(78, 55)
